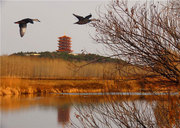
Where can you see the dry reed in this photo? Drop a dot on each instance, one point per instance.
(35, 67)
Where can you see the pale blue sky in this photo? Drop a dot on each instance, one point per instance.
(56, 20)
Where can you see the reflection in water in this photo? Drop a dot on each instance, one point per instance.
(63, 115)
(89, 111)
(167, 113)
(160, 112)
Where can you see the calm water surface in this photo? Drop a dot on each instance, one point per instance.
(90, 110)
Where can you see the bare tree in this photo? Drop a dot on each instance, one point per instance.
(175, 7)
(147, 35)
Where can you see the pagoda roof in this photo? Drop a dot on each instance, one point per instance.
(64, 37)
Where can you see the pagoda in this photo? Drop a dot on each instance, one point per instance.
(64, 44)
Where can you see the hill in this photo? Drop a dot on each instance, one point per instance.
(69, 57)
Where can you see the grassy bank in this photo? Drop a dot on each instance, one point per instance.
(25, 75)
(18, 86)
(30, 75)
(35, 67)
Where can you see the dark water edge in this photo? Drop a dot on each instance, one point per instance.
(124, 93)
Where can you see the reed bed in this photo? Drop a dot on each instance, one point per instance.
(35, 67)
(25, 75)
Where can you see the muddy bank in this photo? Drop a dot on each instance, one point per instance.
(30, 90)
(18, 86)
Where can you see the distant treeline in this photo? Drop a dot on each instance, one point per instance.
(69, 57)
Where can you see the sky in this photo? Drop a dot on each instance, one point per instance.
(56, 20)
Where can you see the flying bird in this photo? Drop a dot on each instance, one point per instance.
(84, 20)
(23, 24)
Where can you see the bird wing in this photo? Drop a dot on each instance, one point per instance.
(79, 17)
(89, 16)
(22, 29)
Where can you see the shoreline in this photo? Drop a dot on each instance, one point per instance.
(19, 86)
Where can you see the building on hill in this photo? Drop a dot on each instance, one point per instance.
(64, 44)
(32, 54)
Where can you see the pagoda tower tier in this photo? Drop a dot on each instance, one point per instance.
(64, 44)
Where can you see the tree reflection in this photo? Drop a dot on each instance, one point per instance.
(136, 110)
(159, 112)
(167, 113)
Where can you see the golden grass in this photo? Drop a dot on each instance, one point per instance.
(21, 75)
(35, 67)
(26, 75)
(16, 86)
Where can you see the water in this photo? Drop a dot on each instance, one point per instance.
(90, 110)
